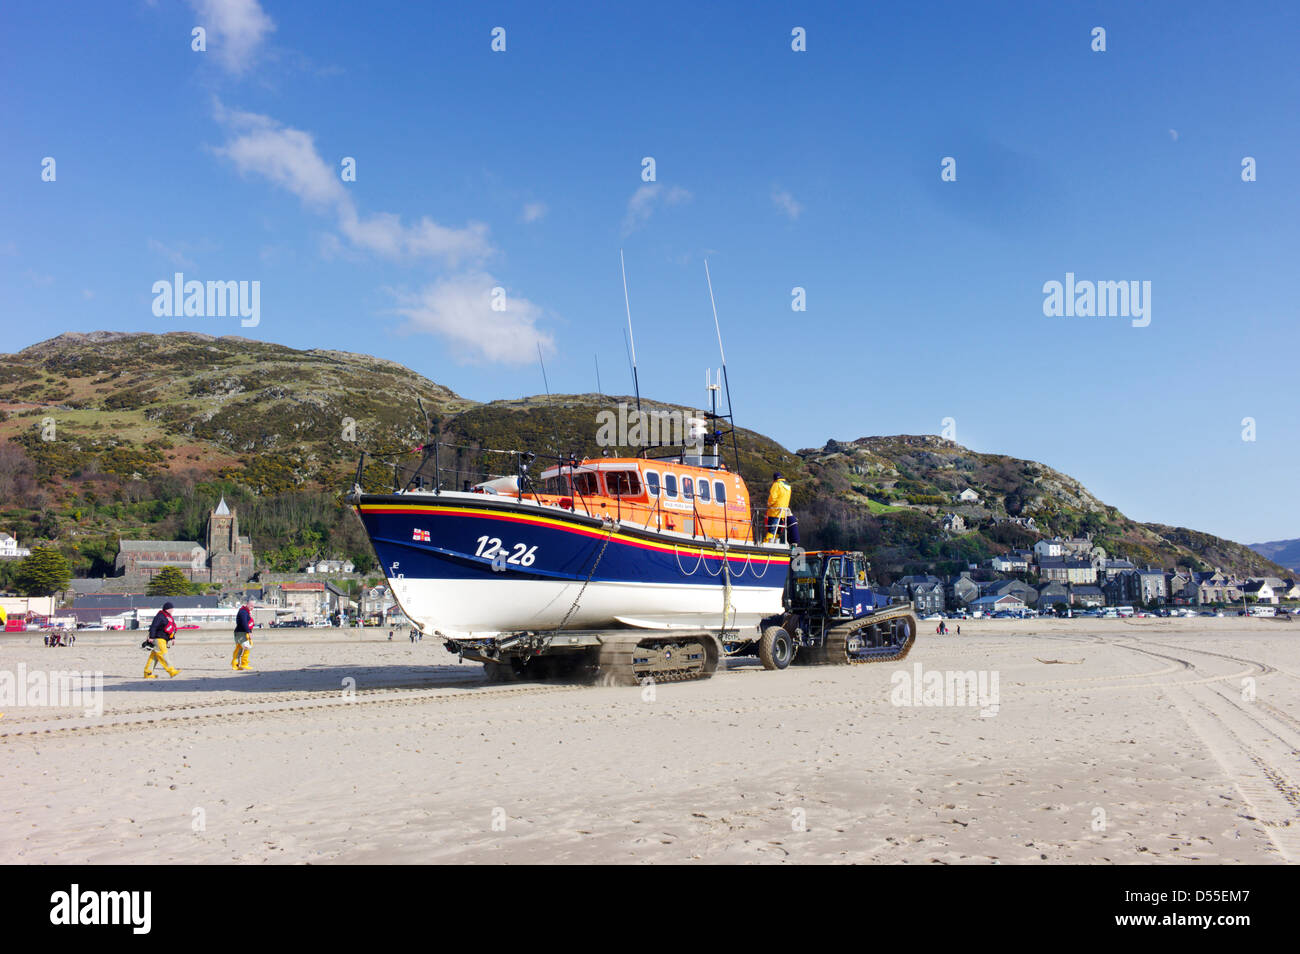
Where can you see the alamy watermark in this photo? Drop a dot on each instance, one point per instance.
(194, 299)
(939, 687)
(629, 427)
(57, 688)
(1085, 299)
(124, 908)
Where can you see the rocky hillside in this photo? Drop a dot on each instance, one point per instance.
(137, 435)
(912, 482)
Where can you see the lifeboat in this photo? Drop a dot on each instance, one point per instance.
(590, 544)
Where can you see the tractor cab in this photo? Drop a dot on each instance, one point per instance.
(829, 584)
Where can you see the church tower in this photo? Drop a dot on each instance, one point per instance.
(223, 543)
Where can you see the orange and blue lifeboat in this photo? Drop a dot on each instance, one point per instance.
(597, 543)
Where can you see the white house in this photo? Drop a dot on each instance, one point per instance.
(1011, 563)
(9, 548)
(1262, 590)
(1049, 548)
(998, 604)
(968, 496)
(330, 566)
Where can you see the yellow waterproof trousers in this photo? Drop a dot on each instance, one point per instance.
(159, 656)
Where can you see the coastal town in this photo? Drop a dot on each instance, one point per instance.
(1064, 576)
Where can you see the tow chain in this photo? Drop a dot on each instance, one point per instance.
(611, 526)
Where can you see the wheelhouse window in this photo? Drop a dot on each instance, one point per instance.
(623, 483)
(586, 483)
(703, 490)
(557, 486)
(670, 486)
(688, 488)
(652, 482)
(721, 491)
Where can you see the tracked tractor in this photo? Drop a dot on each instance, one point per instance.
(832, 616)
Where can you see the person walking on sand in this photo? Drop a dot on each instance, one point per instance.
(161, 632)
(243, 636)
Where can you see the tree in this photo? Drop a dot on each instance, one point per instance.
(44, 573)
(169, 581)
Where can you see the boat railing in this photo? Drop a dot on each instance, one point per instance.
(764, 526)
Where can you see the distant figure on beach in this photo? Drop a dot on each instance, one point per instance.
(390, 635)
(412, 634)
(243, 636)
(161, 633)
(959, 629)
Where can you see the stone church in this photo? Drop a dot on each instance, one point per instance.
(227, 558)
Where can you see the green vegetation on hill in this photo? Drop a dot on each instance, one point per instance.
(137, 435)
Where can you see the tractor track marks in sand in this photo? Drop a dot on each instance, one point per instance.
(1255, 743)
(127, 719)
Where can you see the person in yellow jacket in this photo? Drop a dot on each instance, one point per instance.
(778, 511)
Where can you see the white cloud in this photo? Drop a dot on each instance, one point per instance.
(784, 201)
(235, 28)
(643, 201)
(384, 234)
(459, 309)
(456, 308)
(40, 279)
(534, 212)
(173, 255)
(1173, 134)
(289, 159)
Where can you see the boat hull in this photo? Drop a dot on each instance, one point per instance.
(471, 564)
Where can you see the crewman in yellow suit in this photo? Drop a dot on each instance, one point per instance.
(243, 636)
(161, 632)
(778, 509)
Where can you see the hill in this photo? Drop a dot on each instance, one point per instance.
(137, 435)
(1285, 552)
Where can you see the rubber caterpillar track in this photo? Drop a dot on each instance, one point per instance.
(882, 637)
(628, 660)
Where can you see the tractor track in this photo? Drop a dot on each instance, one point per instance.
(126, 719)
(30, 726)
(1255, 743)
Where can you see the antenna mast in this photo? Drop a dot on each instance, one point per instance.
(636, 384)
(726, 381)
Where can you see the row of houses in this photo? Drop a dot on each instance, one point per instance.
(932, 594)
(1127, 586)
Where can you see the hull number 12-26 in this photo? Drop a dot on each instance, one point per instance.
(491, 548)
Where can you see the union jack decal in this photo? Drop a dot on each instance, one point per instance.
(420, 535)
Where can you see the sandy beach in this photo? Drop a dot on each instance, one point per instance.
(1141, 741)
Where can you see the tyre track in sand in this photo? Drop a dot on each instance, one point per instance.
(1255, 743)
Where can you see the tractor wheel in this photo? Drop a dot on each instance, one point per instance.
(775, 648)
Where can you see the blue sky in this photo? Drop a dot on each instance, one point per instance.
(818, 169)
